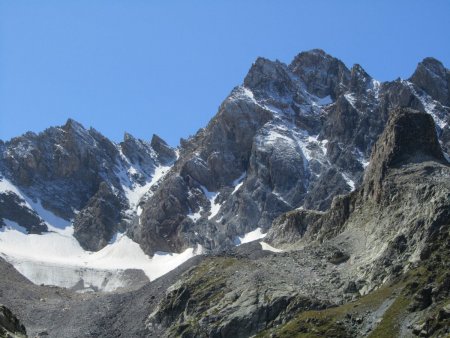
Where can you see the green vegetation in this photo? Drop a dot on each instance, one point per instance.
(337, 321)
(330, 322)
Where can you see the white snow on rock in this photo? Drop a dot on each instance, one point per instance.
(429, 105)
(375, 88)
(324, 100)
(237, 183)
(349, 181)
(268, 247)
(250, 237)
(211, 196)
(134, 191)
(195, 216)
(56, 257)
(351, 99)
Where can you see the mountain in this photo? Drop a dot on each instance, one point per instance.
(367, 239)
(345, 178)
(292, 136)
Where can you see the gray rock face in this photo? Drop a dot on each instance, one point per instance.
(79, 174)
(165, 154)
(10, 326)
(432, 77)
(13, 208)
(409, 137)
(99, 220)
(362, 242)
(323, 74)
(230, 296)
(289, 137)
(407, 170)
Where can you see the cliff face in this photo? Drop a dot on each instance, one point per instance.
(401, 204)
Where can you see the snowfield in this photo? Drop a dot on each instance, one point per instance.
(255, 235)
(56, 257)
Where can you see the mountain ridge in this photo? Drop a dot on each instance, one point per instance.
(314, 188)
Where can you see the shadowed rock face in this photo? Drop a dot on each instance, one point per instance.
(12, 208)
(99, 220)
(409, 137)
(10, 326)
(432, 77)
(165, 153)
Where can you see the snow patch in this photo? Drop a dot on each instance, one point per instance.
(324, 100)
(349, 181)
(375, 88)
(237, 183)
(57, 259)
(351, 99)
(250, 237)
(268, 247)
(211, 196)
(196, 216)
(53, 222)
(134, 192)
(429, 105)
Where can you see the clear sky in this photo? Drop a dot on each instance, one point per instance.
(164, 67)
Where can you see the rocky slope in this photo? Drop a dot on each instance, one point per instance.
(367, 240)
(10, 326)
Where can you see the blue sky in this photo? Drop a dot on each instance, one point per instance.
(164, 67)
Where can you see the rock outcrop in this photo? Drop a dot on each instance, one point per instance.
(407, 172)
(13, 208)
(10, 326)
(99, 220)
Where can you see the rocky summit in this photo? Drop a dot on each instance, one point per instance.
(315, 203)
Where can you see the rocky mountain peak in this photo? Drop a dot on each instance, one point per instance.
(269, 77)
(360, 81)
(409, 137)
(432, 77)
(165, 153)
(323, 74)
(72, 125)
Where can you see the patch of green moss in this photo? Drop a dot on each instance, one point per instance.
(329, 322)
(392, 319)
